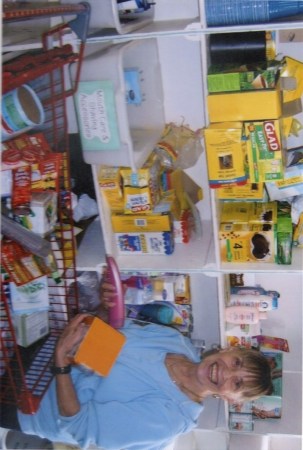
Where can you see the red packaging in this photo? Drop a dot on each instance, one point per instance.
(21, 190)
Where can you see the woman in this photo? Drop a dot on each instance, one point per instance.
(155, 390)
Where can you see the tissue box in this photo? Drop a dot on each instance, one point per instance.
(29, 328)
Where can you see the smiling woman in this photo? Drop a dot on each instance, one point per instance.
(153, 394)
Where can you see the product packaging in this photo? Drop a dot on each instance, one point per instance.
(30, 327)
(29, 297)
(225, 152)
(261, 302)
(241, 422)
(43, 213)
(249, 213)
(157, 243)
(99, 339)
(141, 189)
(284, 234)
(266, 150)
(110, 185)
(247, 242)
(124, 223)
(246, 105)
(231, 77)
(243, 314)
(237, 12)
(270, 342)
(248, 192)
(267, 407)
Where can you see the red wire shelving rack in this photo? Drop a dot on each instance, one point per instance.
(25, 372)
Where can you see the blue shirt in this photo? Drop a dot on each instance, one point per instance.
(137, 407)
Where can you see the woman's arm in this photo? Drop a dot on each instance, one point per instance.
(71, 336)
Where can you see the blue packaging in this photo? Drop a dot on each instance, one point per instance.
(237, 12)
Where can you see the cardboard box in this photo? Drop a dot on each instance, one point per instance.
(29, 297)
(248, 192)
(284, 234)
(225, 152)
(243, 106)
(110, 184)
(145, 243)
(249, 213)
(30, 327)
(256, 105)
(247, 242)
(100, 346)
(125, 223)
(229, 77)
(265, 150)
(141, 189)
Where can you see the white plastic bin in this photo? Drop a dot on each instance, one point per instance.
(131, 128)
(105, 16)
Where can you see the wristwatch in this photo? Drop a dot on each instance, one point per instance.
(55, 370)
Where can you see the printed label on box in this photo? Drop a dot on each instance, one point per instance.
(96, 111)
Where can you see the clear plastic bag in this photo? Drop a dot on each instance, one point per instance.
(88, 288)
(180, 147)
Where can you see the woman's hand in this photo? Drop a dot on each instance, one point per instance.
(71, 336)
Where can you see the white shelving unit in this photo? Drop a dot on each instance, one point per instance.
(181, 35)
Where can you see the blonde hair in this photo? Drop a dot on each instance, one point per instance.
(260, 380)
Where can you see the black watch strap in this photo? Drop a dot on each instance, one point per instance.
(61, 370)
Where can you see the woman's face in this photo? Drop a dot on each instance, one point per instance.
(223, 374)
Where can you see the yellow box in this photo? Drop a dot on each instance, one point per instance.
(249, 212)
(265, 150)
(110, 184)
(124, 223)
(141, 189)
(243, 106)
(247, 243)
(249, 191)
(100, 346)
(225, 152)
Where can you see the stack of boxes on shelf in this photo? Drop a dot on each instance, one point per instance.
(151, 209)
(245, 310)
(251, 107)
(162, 298)
(31, 258)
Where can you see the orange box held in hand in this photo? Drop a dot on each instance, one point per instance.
(100, 346)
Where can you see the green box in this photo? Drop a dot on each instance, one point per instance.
(229, 78)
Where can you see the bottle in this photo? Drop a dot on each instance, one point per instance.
(262, 302)
(243, 314)
(237, 12)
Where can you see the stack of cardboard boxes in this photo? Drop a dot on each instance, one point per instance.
(246, 148)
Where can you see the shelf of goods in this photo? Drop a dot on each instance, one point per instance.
(24, 368)
(173, 89)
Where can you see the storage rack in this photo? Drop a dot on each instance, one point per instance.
(25, 372)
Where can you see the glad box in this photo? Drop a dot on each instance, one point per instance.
(265, 150)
